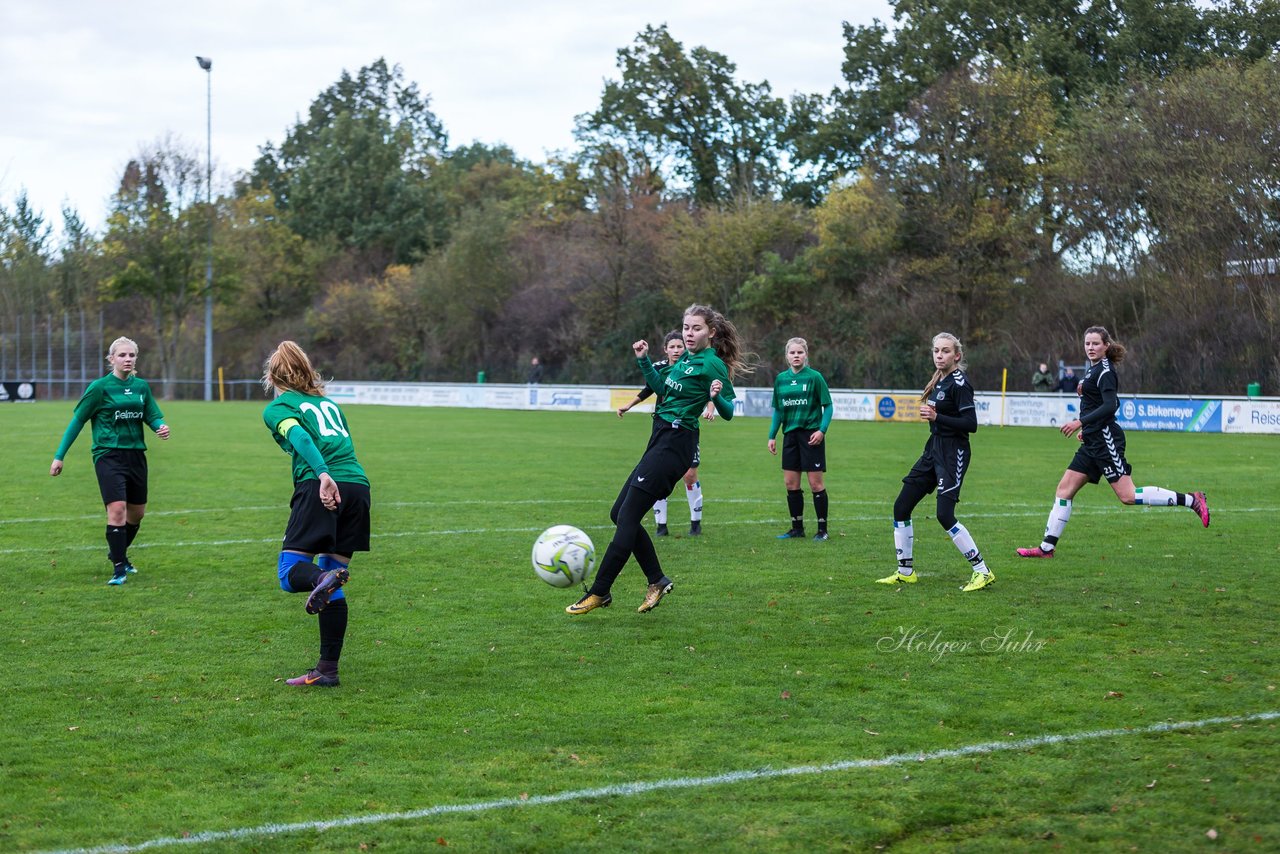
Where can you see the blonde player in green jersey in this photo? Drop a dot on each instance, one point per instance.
(329, 511)
(713, 355)
(802, 408)
(117, 406)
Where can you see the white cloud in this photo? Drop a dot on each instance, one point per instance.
(86, 84)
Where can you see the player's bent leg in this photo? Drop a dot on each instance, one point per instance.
(297, 573)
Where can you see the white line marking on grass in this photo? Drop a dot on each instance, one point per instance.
(640, 788)
(446, 532)
(591, 501)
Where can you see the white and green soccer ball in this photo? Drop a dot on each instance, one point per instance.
(563, 556)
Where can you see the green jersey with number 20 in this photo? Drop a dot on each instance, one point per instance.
(324, 422)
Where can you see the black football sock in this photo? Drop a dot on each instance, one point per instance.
(820, 509)
(303, 577)
(795, 504)
(333, 630)
(117, 544)
(132, 530)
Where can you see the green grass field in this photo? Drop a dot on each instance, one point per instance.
(474, 713)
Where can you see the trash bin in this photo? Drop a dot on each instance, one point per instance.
(479, 376)
(1253, 389)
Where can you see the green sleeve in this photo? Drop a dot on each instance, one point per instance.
(777, 422)
(151, 412)
(73, 430)
(827, 412)
(301, 442)
(724, 400)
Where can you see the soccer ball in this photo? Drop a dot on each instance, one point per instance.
(563, 556)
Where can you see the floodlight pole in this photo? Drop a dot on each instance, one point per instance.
(207, 64)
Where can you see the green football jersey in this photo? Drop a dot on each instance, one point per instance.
(116, 408)
(327, 427)
(685, 387)
(800, 397)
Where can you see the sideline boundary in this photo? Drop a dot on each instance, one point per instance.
(640, 788)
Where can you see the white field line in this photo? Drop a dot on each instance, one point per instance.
(641, 788)
(447, 532)
(594, 501)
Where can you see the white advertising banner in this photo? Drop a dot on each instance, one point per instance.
(1251, 416)
(1139, 412)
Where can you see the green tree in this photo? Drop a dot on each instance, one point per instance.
(1079, 48)
(26, 261)
(720, 136)
(965, 170)
(156, 243)
(357, 169)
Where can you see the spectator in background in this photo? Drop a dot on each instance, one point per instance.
(1069, 383)
(1042, 380)
(535, 371)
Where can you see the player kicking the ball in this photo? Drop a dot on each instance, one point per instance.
(713, 354)
(329, 517)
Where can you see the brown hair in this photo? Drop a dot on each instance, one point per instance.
(725, 339)
(1115, 350)
(938, 374)
(289, 369)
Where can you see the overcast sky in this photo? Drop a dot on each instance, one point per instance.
(85, 84)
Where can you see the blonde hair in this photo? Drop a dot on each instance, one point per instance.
(115, 345)
(289, 369)
(939, 374)
(725, 338)
(803, 343)
(1115, 350)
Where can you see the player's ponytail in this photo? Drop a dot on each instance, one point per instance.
(289, 369)
(726, 340)
(938, 374)
(1115, 350)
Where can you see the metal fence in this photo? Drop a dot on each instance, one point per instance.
(60, 354)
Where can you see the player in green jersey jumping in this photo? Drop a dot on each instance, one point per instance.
(329, 512)
(713, 355)
(802, 408)
(117, 405)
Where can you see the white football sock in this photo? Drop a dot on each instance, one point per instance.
(1155, 496)
(1058, 517)
(660, 511)
(964, 542)
(904, 537)
(694, 494)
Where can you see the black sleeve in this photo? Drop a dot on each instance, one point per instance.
(1110, 404)
(965, 422)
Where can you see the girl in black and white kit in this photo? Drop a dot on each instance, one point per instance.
(1102, 445)
(947, 404)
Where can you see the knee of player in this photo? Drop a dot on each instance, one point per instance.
(288, 560)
